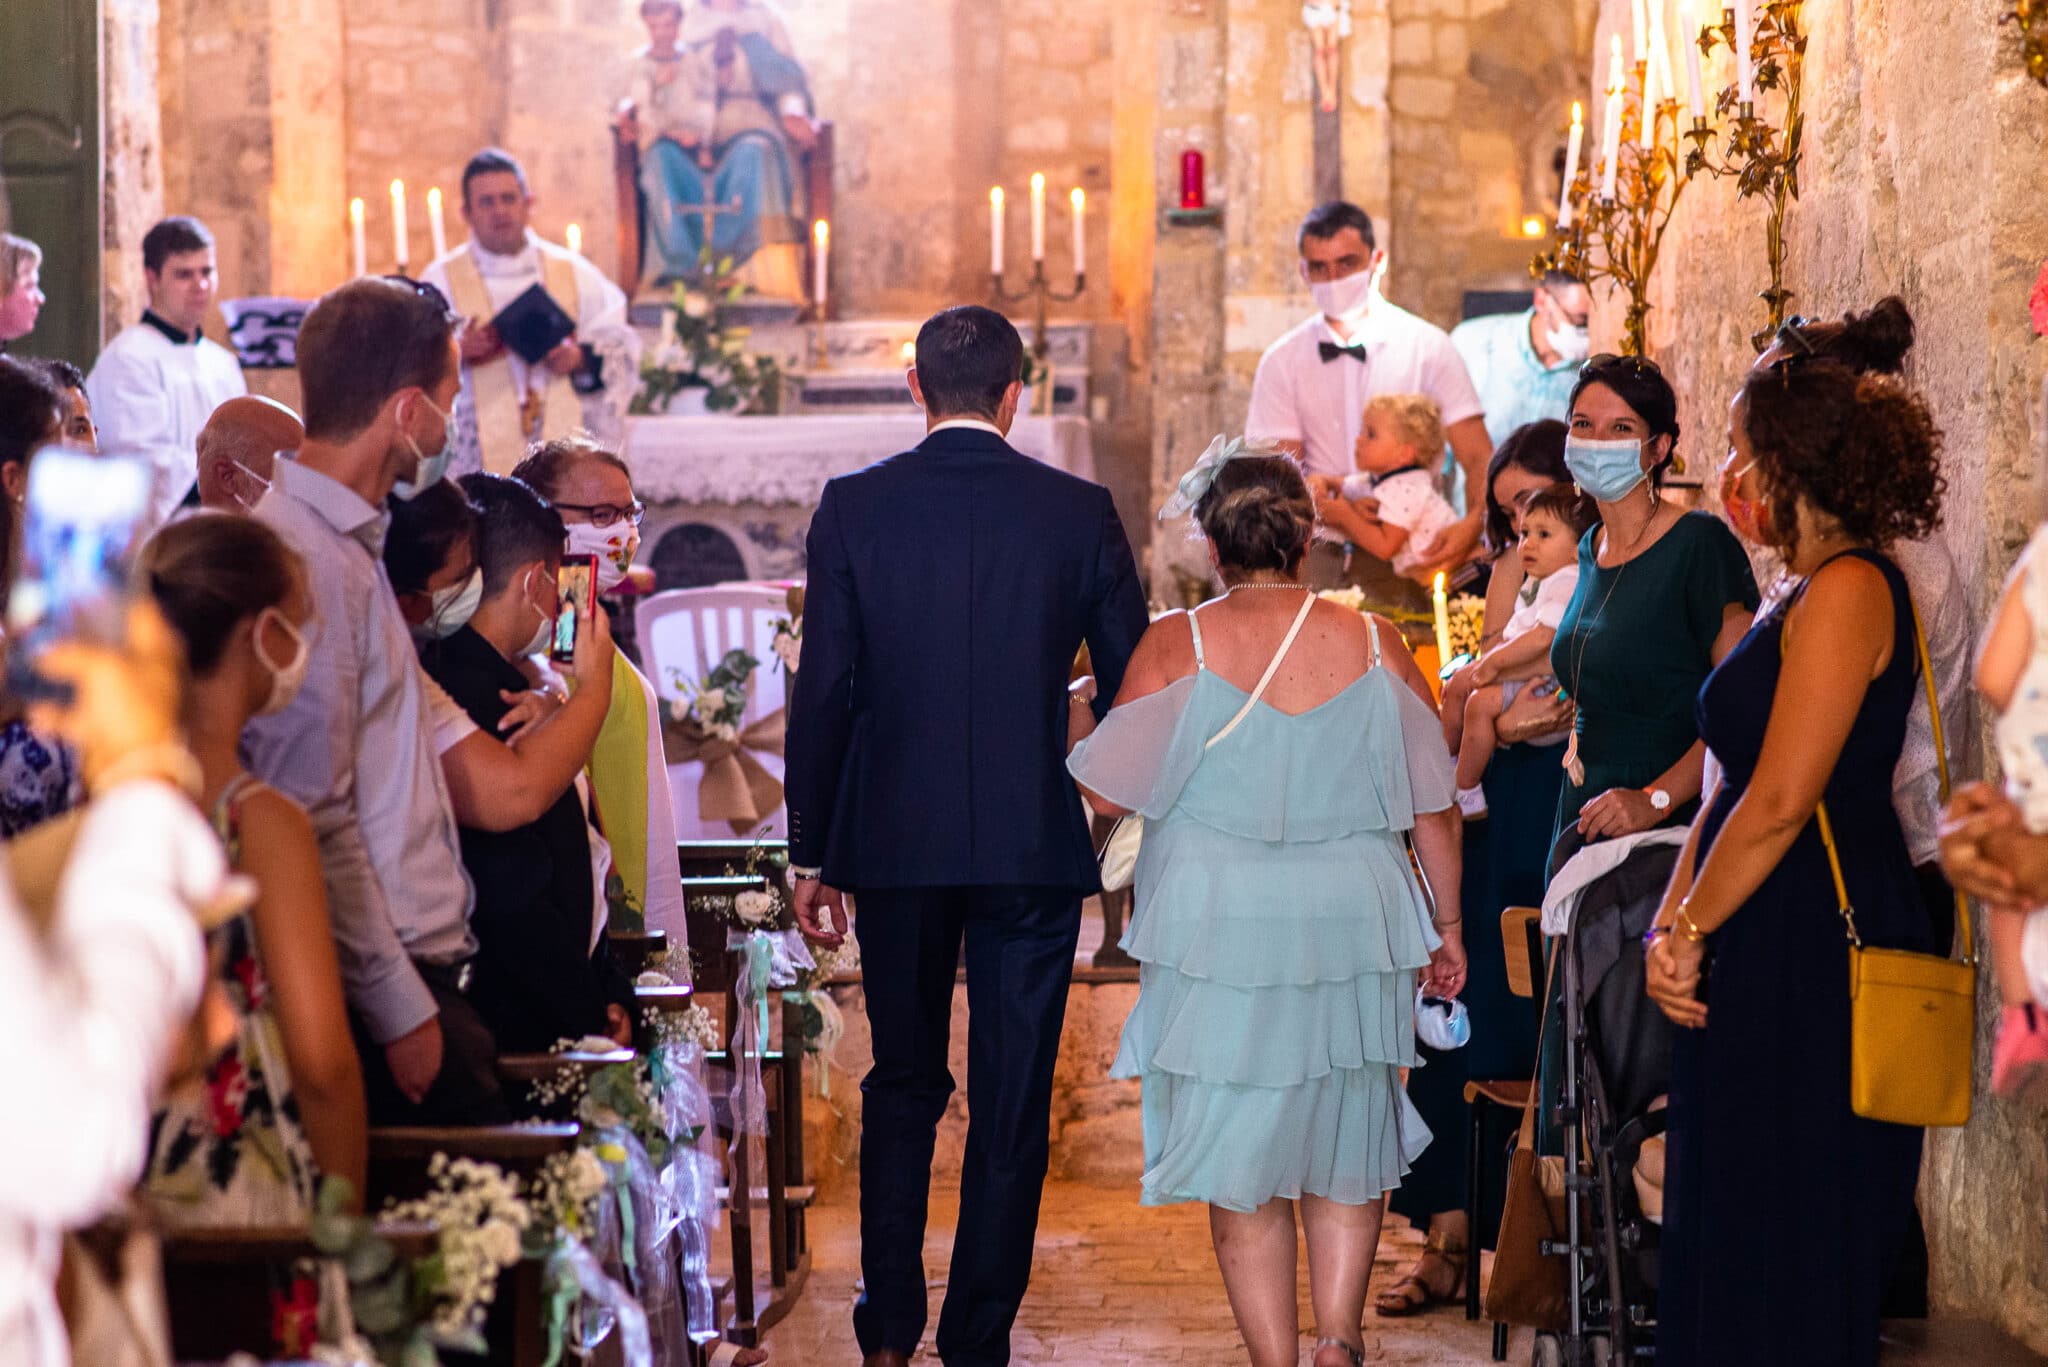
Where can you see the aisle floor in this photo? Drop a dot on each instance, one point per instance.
(1115, 1285)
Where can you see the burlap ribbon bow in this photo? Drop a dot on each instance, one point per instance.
(737, 788)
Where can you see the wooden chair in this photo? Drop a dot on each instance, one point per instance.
(684, 633)
(815, 168)
(1521, 935)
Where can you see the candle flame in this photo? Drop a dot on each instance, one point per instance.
(398, 189)
(995, 197)
(821, 232)
(1578, 115)
(355, 211)
(909, 353)
(574, 237)
(1038, 182)
(1532, 226)
(1440, 582)
(434, 198)
(1079, 197)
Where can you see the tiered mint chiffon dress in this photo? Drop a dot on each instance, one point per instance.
(1279, 928)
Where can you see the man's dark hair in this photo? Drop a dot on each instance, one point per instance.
(62, 373)
(514, 527)
(1555, 279)
(486, 162)
(1327, 220)
(967, 357)
(173, 237)
(365, 341)
(425, 530)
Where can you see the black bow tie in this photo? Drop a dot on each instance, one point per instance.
(1331, 351)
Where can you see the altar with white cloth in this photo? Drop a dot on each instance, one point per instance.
(730, 497)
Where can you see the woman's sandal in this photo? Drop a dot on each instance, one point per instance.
(1412, 1295)
(1356, 1355)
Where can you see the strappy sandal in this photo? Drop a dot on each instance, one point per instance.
(1356, 1355)
(1412, 1295)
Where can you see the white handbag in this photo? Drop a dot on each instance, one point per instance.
(1119, 856)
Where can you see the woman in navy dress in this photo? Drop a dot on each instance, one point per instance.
(1781, 1203)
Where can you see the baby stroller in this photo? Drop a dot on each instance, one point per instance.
(1614, 1064)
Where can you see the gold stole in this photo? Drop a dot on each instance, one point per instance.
(507, 421)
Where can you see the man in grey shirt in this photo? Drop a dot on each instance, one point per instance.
(378, 364)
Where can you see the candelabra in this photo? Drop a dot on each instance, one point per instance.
(1617, 238)
(1763, 159)
(2032, 17)
(1041, 293)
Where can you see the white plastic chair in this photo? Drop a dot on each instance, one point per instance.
(683, 634)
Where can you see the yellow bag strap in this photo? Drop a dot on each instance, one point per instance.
(1967, 941)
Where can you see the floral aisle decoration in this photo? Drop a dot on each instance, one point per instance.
(703, 723)
(480, 1221)
(698, 356)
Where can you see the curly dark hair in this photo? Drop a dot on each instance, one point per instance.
(1862, 449)
(1259, 514)
(1874, 342)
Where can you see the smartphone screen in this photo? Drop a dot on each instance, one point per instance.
(576, 583)
(78, 532)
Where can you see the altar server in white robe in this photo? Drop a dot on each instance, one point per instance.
(156, 384)
(507, 405)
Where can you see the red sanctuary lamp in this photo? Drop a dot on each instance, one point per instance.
(1193, 181)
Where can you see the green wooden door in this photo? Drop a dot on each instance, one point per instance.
(50, 162)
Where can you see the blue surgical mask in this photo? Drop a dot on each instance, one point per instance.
(434, 468)
(1607, 470)
(1441, 1023)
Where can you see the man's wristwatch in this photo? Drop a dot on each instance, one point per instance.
(804, 875)
(1660, 799)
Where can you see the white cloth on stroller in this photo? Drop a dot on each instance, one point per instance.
(1589, 866)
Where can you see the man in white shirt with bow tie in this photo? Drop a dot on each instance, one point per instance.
(1312, 384)
(506, 404)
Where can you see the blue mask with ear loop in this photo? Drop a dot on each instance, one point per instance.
(1607, 470)
(432, 469)
(1441, 1022)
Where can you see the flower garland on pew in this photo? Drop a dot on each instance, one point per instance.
(702, 723)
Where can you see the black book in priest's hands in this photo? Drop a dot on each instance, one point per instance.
(533, 325)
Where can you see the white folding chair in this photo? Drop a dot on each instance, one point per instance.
(683, 634)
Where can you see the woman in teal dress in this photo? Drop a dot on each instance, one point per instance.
(1279, 928)
(1663, 596)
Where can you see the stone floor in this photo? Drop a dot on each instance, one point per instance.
(1115, 1285)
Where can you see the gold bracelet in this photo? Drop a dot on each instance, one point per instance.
(1687, 928)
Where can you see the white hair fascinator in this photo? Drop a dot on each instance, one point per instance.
(1197, 481)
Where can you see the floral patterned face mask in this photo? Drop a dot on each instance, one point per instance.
(614, 546)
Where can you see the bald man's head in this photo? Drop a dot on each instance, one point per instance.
(238, 450)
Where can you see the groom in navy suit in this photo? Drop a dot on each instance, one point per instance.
(949, 590)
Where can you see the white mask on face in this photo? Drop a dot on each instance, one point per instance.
(1572, 344)
(453, 607)
(614, 546)
(544, 634)
(1345, 298)
(287, 678)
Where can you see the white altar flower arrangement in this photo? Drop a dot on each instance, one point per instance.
(697, 353)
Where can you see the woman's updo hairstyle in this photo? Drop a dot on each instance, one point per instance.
(1258, 513)
(211, 571)
(1872, 343)
(1863, 449)
(1642, 386)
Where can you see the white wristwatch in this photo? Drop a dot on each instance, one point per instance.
(1660, 799)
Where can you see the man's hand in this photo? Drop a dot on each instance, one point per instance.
(821, 913)
(618, 1025)
(566, 358)
(529, 711)
(801, 131)
(415, 1060)
(479, 342)
(1454, 545)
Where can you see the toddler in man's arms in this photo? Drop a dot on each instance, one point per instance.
(1399, 452)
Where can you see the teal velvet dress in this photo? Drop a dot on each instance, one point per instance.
(1279, 929)
(1635, 645)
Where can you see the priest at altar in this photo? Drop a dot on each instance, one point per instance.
(507, 404)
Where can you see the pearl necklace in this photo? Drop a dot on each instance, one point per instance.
(1266, 584)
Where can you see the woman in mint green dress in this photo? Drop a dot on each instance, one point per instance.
(1280, 929)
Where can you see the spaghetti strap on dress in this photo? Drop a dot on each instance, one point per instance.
(1279, 929)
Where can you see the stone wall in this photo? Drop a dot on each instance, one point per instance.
(1921, 178)
(1480, 90)
(131, 131)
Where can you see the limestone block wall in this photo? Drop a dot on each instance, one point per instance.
(132, 133)
(1923, 153)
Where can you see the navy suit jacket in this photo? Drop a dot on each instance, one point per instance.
(949, 589)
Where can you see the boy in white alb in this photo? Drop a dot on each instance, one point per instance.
(1399, 450)
(1553, 521)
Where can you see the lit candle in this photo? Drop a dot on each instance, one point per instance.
(1745, 79)
(1442, 604)
(1689, 29)
(355, 233)
(1038, 216)
(439, 226)
(1610, 145)
(995, 231)
(1080, 199)
(573, 236)
(398, 233)
(821, 251)
(1646, 136)
(909, 353)
(1574, 144)
(1660, 53)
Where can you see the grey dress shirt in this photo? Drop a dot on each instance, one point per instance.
(355, 748)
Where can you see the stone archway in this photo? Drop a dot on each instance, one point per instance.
(694, 555)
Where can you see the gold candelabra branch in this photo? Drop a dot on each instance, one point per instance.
(2032, 17)
(1617, 240)
(1762, 157)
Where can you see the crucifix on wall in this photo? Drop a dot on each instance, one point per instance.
(1329, 24)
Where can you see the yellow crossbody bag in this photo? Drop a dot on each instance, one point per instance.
(1912, 1017)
